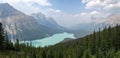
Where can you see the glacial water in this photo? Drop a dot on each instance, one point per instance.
(56, 38)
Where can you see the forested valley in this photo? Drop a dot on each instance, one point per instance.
(100, 44)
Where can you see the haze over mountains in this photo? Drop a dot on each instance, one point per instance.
(20, 25)
(38, 25)
(60, 28)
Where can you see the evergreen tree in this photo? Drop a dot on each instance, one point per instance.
(43, 54)
(17, 47)
(2, 39)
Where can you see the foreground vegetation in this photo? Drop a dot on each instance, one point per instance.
(100, 44)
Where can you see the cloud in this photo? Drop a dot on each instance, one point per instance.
(94, 12)
(97, 10)
(113, 7)
(41, 2)
(70, 20)
(101, 10)
(106, 5)
(28, 6)
(84, 13)
(53, 10)
(84, 1)
(113, 19)
(93, 3)
(64, 19)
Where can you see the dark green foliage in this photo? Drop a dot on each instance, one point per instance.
(17, 46)
(5, 43)
(100, 44)
(2, 39)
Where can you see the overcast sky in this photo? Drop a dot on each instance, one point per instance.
(69, 13)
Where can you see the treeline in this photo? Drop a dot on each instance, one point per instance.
(99, 44)
(13, 49)
(5, 44)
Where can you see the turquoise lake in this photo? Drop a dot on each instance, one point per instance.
(56, 38)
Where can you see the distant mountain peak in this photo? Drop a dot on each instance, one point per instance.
(7, 10)
(5, 4)
(45, 20)
(26, 27)
(113, 19)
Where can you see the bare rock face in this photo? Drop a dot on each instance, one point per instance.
(24, 27)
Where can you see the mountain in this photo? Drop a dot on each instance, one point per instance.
(7, 10)
(113, 19)
(25, 27)
(47, 21)
(81, 30)
(96, 45)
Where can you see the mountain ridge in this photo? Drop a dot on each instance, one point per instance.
(22, 26)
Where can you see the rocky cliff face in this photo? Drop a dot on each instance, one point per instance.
(24, 27)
